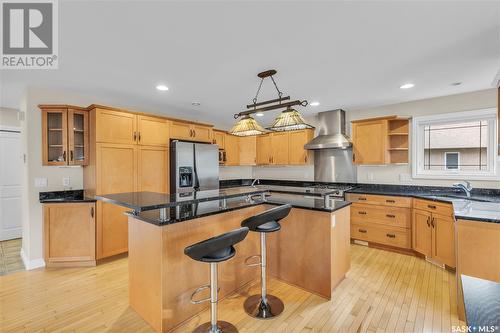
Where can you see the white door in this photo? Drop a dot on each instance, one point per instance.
(10, 183)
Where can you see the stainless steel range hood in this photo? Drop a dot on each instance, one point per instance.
(331, 131)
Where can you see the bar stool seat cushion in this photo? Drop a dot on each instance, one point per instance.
(268, 227)
(216, 249)
(267, 221)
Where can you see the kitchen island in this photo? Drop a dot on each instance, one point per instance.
(311, 250)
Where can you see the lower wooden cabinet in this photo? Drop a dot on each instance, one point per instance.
(434, 236)
(112, 230)
(380, 234)
(69, 234)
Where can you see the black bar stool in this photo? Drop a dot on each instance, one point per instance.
(264, 306)
(213, 251)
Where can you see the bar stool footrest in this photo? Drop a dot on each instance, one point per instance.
(256, 308)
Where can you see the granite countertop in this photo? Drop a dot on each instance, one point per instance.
(483, 205)
(298, 190)
(305, 202)
(143, 201)
(72, 196)
(185, 212)
(482, 303)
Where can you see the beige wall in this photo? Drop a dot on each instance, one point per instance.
(8, 117)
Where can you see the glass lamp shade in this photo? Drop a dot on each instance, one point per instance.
(289, 120)
(247, 126)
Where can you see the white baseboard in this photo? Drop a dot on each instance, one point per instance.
(31, 264)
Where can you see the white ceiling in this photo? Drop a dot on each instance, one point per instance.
(342, 54)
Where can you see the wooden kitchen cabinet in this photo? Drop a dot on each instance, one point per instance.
(65, 135)
(152, 131)
(69, 234)
(279, 148)
(113, 126)
(263, 143)
(247, 147)
(296, 141)
(422, 232)
(232, 149)
(434, 235)
(150, 160)
(219, 138)
(381, 140)
(190, 132)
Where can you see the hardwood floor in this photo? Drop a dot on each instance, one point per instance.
(383, 292)
(10, 258)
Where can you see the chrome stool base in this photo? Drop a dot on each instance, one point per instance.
(222, 326)
(255, 308)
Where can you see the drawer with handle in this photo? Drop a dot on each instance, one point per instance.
(436, 207)
(398, 237)
(391, 216)
(385, 200)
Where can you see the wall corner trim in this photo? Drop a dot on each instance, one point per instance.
(31, 264)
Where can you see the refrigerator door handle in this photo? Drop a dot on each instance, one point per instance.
(196, 183)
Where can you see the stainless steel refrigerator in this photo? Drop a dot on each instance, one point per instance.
(193, 166)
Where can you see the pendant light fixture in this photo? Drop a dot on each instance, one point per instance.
(289, 120)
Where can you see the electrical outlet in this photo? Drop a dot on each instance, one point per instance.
(66, 181)
(370, 176)
(40, 182)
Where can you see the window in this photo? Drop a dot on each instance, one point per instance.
(455, 145)
(452, 160)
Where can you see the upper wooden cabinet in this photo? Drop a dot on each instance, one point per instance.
(380, 140)
(150, 160)
(279, 148)
(65, 135)
(296, 142)
(247, 150)
(152, 131)
(189, 131)
(264, 149)
(114, 126)
(219, 138)
(232, 149)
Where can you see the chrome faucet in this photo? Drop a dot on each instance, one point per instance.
(256, 180)
(467, 188)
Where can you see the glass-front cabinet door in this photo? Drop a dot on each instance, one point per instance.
(54, 137)
(65, 135)
(78, 137)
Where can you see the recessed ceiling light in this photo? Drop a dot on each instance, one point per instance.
(314, 103)
(196, 104)
(456, 83)
(259, 114)
(162, 87)
(407, 86)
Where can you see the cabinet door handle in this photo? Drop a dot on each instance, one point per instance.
(431, 206)
(391, 235)
(194, 132)
(64, 156)
(361, 199)
(390, 201)
(432, 222)
(363, 231)
(362, 213)
(428, 222)
(139, 136)
(354, 157)
(71, 155)
(92, 212)
(305, 158)
(135, 136)
(390, 216)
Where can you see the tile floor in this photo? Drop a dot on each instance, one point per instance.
(10, 258)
